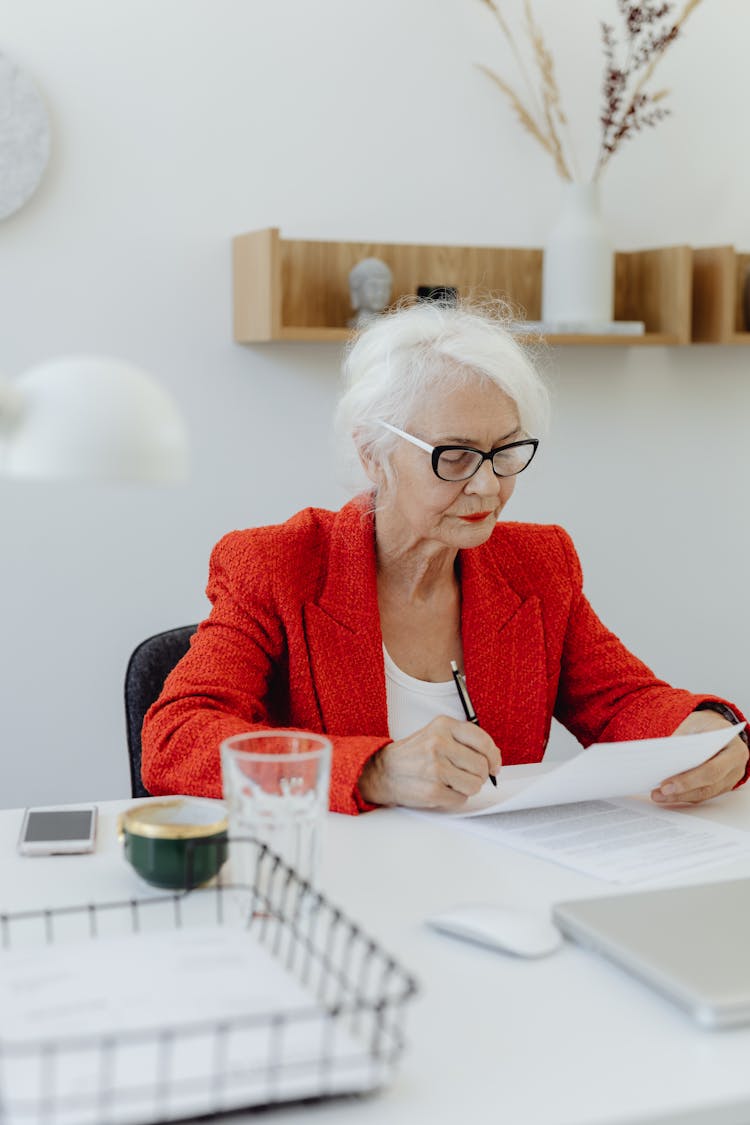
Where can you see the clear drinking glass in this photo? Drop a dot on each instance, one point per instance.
(276, 787)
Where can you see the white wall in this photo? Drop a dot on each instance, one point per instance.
(180, 123)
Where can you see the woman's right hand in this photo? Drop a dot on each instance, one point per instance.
(437, 767)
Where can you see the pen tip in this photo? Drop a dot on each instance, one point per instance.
(454, 666)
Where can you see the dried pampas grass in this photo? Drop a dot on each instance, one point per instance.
(542, 114)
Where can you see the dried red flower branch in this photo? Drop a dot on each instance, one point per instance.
(628, 106)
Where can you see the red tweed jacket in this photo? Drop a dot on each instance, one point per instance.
(293, 640)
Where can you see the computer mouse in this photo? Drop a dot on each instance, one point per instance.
(503, 928)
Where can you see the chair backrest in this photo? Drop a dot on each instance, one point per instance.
(148, 668)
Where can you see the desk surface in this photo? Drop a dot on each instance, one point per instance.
(567, 1040)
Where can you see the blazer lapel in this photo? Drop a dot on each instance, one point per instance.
(503, 643)
(504, 658)
(343, 631)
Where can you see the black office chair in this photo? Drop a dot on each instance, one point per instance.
(148, 668)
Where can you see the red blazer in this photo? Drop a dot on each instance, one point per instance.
(293, 640)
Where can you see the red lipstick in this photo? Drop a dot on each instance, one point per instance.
(476, 518)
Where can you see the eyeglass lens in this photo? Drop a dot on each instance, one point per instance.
(460, 464)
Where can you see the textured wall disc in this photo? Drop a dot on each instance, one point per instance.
(24, 137)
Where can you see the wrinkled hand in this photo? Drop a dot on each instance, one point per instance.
(437, 767)
(717, 775)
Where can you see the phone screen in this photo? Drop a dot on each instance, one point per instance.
(58, 824)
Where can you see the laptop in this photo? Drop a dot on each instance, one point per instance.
(690, 943)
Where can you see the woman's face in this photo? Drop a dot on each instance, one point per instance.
(458, 514)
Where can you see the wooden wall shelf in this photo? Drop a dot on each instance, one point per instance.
(718, 278)
(294, 289)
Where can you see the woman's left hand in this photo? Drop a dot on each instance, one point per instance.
(717, 775)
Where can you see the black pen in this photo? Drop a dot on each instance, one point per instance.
(468, 706)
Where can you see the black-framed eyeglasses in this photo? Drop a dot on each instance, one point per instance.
(460, 462)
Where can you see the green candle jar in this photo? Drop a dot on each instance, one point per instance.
(176, 844)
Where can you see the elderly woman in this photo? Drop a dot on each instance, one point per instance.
(347, 622)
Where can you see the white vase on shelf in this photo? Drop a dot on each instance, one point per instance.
(578, 271)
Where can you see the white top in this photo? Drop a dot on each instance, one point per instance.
(412, 703)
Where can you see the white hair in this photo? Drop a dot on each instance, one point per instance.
(401, 358)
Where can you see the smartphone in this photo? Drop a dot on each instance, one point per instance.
(58, 831)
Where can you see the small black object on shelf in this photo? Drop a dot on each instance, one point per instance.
(445, 294)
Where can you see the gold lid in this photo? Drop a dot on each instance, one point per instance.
(174, 819)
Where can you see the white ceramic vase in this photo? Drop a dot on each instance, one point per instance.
(578, 272)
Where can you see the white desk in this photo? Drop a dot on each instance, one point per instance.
(567, 1040)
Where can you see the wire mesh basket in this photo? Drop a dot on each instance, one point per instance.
(338, 1031)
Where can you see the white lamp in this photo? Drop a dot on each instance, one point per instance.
(90, 417)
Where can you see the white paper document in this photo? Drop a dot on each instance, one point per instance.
(625, 841)
(606, 769)
(104, 1006)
